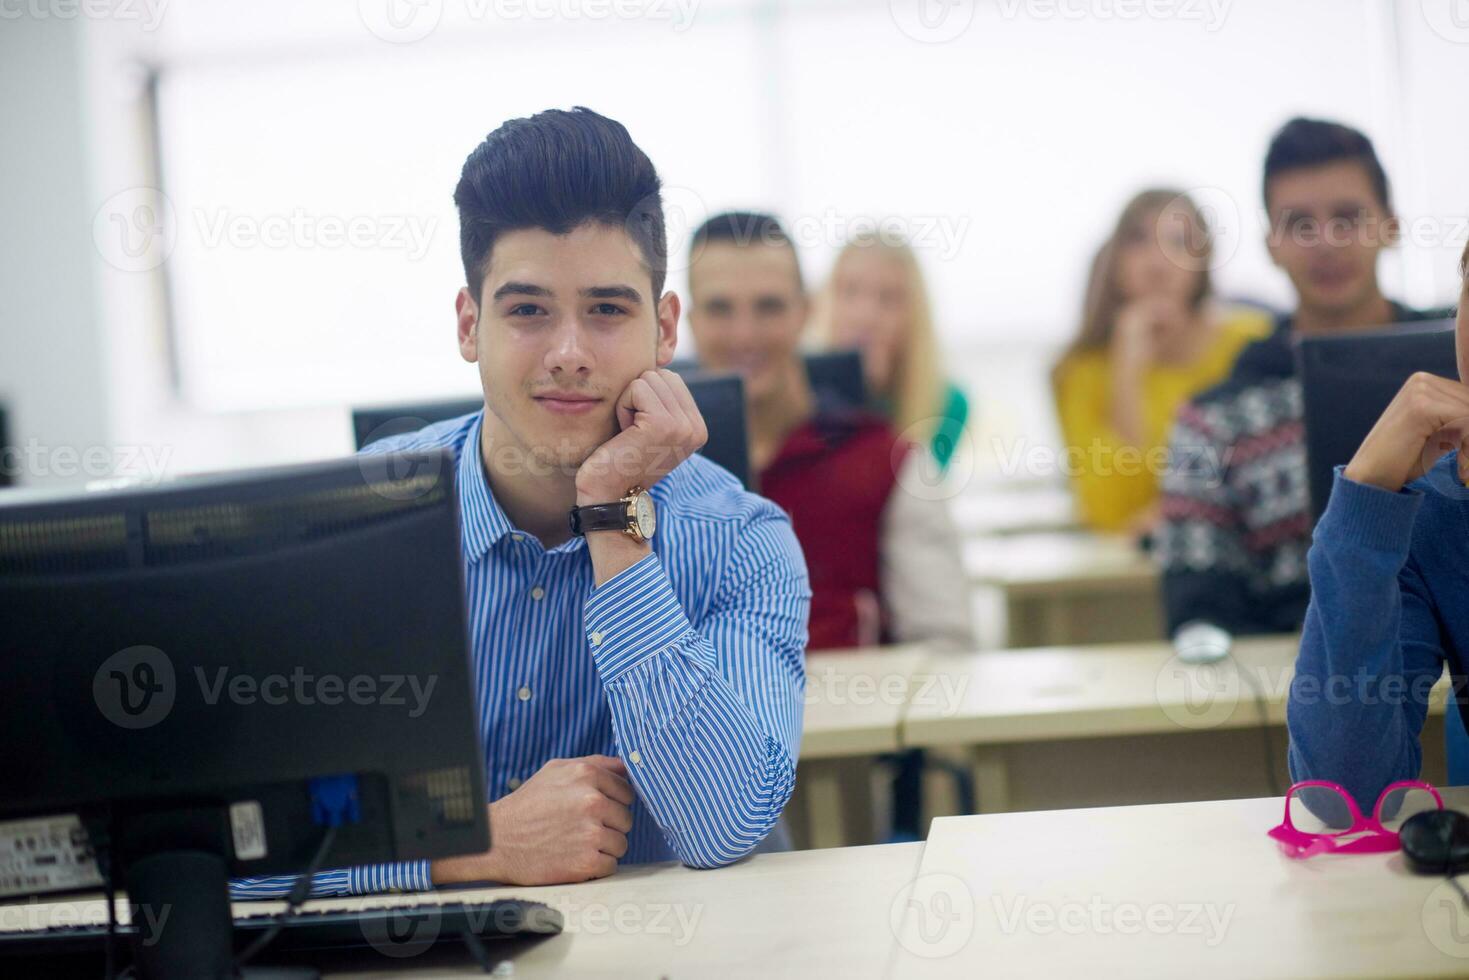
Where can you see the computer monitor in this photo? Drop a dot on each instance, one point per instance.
(203, 677)
(380, 422)
(1347, 381)
(720, 398)
(837, 374)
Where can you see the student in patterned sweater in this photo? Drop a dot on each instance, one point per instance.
(1236, 514)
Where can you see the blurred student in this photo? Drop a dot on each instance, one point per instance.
(1151, 338)
(876, 302)
(1390, 590)
(1236, 514)
(883, 561)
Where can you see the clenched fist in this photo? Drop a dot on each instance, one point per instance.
(1428, 417)
(661, 427)
(567, 823)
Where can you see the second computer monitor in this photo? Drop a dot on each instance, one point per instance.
(1347, 382)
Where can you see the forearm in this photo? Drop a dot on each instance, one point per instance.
(613, 552)
(712, 776)
(361, 880)
(714, 771)
(1356, 706)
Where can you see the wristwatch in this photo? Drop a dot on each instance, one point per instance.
(632, 515)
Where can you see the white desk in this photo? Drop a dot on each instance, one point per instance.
(1040, 895)
(802, 914)
(1069, 588)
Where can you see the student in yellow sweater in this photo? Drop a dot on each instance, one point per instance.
(1151, 338)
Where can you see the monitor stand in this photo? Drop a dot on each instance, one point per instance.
(183, 925)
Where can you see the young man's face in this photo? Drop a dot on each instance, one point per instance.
(747, 310)
(1327, 227)
(563, 324)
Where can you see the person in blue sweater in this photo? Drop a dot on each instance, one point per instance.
(1389, 604)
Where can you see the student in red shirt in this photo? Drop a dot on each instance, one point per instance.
(879, 546)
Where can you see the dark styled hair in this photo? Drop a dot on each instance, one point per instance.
(1306, 142)
(743, 228)
(558, 170)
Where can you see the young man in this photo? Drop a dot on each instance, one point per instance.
(1236, 514)
(883, 562)
(640, 685)
(1390, 590)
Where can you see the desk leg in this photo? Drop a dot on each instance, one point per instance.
(991, 778)
(821, 785)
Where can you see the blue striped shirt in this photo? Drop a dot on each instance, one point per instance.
(689, 665)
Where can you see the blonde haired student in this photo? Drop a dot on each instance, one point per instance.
(876, 301)
(1151, 337)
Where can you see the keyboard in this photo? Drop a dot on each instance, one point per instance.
(392, 925)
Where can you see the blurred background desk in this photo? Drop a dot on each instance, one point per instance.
(1119, 724)
(999, 510)
(855, 700)
(1065, 588)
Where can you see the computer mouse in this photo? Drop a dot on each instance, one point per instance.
(1436, 841)
(1199, 642)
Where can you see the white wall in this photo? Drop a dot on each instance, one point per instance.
(52, 370)
(87, 359)
(148, 409)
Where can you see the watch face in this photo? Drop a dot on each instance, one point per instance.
(643, 513)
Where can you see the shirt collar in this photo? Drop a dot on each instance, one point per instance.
(484, 520)
(484, 523)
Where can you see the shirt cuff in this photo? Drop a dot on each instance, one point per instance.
(632, 616)
(1369, 516)
(407, 876)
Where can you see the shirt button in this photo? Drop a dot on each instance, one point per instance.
(596, 638)
(517, 538)
(513, 783)
(538, 593)
(523, 694)
(635, 758)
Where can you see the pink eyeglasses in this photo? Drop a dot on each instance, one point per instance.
(1319, 814)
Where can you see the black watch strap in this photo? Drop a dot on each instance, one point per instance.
(599, 517)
